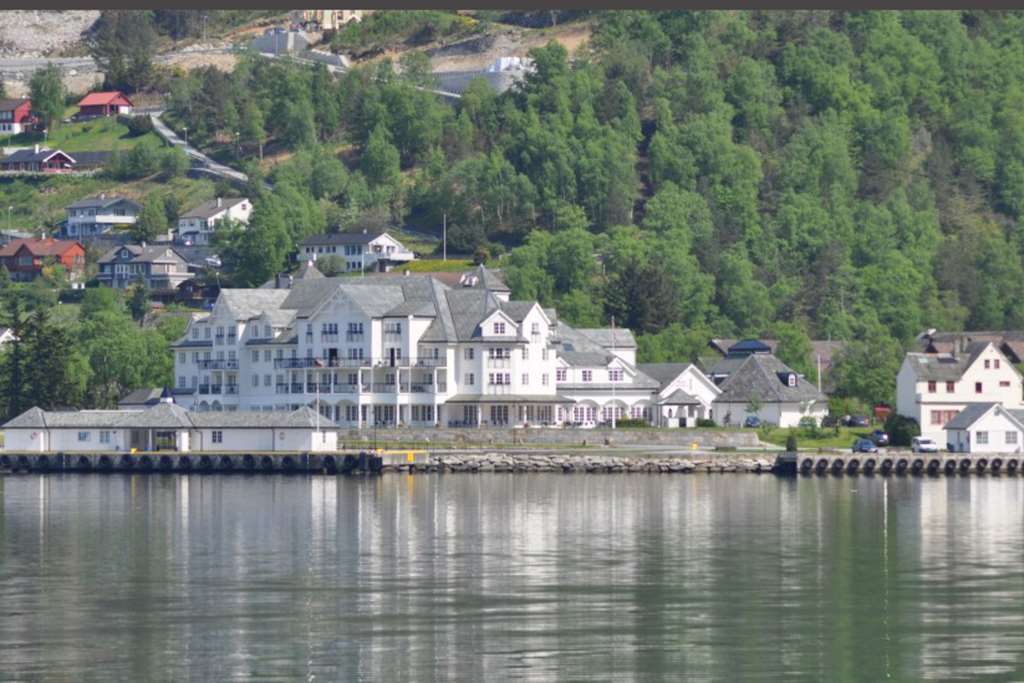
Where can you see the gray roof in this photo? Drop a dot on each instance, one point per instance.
(726, 366)
(29, 154)
(969, 415)
(154, 253)
(246, 304)
(359, 237)
(945, 367)
(10, 104)
(679, 398)
(166, 415)
(663, 372)
(608, 338)
(209, 209)
(762, 376)
(517, 310)
(579, 359)
(139, 397)
(102, 201)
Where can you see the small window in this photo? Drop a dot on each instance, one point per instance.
(467, 353)
(588, 375)
(981, 437)
(217, 436)
(499, 328)
(83, 436)
(615, 375)
(937, 418)
(996, 363)
(1004, 383)
(526, 379)
(469, 379)
(560, 375)
(931, 387)
(535, 328)
(1011, 437)
(988, 363)
(950, 387)
(544, 379)
(977, 387)
(105, 437)
(791, 380)
(526, 353)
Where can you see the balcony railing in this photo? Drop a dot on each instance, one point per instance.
(231, 389)
(282, 388)
(431, 362)
(346, 388)
(218, 364)
(422, 388)
(219, 339)
(322, 362)
(499, 362)
(204, 388)
(297, 387)
(216, 388)
(382, 388)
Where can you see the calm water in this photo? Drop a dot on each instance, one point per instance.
(495, 577)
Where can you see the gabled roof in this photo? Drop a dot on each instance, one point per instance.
(154, 253)
(679, 398)
(210, 208)
(342, 238)
(170, 416)
(102, 201)
(42, 155)
(149, 396)
(945, 367)
(39, 247)
(974, 412)
(94, 99)
(483, 277)
(763, 376)
(608, 338)
(245, 304)
(10, 104)
(663, 372)
(250, 419)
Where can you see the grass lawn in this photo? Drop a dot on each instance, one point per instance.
(438, 266)
(826, 437)
(88, 136)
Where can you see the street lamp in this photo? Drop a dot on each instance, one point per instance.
(185, 128)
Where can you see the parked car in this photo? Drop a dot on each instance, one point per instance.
(922, 444)
(829, 421)
(752, 421)
(879, 437)
(857, 421)
(864, 446)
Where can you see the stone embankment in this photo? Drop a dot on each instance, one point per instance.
(532, 462)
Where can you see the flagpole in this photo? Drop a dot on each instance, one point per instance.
(610, 375)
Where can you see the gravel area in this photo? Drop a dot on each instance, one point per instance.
(42, 33)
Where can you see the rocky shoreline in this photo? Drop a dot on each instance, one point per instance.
(602, 464)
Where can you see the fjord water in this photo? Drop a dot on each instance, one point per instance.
(511, 576)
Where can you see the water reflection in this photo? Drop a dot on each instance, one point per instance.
(491, 576)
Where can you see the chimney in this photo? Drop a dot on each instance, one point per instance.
(219, 202)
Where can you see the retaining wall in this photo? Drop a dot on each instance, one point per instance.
(487, 436)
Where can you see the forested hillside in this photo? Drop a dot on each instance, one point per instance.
(845, 175)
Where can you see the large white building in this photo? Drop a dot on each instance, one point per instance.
(933, 388)
(197, 226)
(406, 350)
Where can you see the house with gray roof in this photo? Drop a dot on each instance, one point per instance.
(169, 427)
(933, 388)
(406, 349)
(988, 428)
(98, 215)
(359, 250)
(764, 387)
(159, 267)
(197, 226)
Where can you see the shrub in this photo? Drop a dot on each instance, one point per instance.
(808, 427)
(901, 429)
(137, 125)
(703, 422)
(791, 442)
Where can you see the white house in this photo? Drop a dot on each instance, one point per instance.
(97, 215)
(360, 251)
(933, 388)
(763, 386)
(196, 227)
(166, 426)
(685, 395)
(986, 428)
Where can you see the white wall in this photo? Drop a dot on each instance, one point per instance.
(996, 426)
(780, 414)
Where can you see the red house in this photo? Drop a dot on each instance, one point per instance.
(15, 115)
(25, 258)
(104, 104)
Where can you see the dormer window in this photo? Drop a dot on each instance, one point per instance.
(791, 380)
(499, 328)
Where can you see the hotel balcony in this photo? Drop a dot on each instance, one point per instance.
(218, 364)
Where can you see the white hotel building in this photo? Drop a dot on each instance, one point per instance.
(406, 350)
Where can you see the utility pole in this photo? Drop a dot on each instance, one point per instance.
(444, 234)
(614, 407)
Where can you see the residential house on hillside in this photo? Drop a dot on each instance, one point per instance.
(160, 267)
(933, 388)
(38, 160)
(110, 103)
(685, 394)
(6, 335)
(1010, 342)
(168, 427)
(26, 258)
(763, 386)
(93, 216)
(15, 115)
(360, 251)
(196, 227)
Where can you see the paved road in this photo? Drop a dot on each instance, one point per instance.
(200, 161)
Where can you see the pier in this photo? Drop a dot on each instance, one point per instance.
(897, 463)
(173, 462)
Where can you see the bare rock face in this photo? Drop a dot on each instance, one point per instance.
(26, 34)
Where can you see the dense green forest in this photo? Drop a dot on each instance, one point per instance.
(844, 175)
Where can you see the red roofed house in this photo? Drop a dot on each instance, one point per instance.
(104, 104)
(15, 115)
(25, 258)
